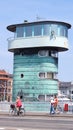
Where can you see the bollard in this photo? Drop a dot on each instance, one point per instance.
(66, 107)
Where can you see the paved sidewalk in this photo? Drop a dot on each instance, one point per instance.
(6, 113)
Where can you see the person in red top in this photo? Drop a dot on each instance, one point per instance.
(55, 102)
(18, 104)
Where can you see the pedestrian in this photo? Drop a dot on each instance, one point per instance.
(52, 111)
(55, 103)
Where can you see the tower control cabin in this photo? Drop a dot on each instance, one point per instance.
(35, 46)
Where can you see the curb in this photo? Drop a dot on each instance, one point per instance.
(41, 114)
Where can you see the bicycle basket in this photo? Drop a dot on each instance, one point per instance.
(12, 106)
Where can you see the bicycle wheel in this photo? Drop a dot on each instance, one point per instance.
(22, 112)
(11, 112)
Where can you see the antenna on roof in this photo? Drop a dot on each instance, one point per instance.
(38, 18)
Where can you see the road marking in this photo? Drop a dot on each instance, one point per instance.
(20, 129)
(2, 128)
(29, 129)
(8, 128)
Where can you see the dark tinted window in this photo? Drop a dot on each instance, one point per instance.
(37, 30)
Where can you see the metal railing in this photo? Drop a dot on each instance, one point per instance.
(38, 107)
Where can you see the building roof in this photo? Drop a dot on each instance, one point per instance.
(4, 75)
(3, 72)
(12, 28)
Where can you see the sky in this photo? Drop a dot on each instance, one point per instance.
(16, 11)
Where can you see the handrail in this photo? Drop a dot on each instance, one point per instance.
(10, 39)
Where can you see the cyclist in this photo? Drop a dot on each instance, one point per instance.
(18, 104)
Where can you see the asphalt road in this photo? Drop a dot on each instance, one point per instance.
(35, 123)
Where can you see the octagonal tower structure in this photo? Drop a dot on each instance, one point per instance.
(35, 46)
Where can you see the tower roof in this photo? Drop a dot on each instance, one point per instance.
(12, 28)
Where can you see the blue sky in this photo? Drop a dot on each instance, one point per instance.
(16, 11)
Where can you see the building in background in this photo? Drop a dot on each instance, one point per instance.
(35, 46)
(65, 88)
(71, 91)
(5, 86)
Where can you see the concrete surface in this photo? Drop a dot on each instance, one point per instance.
(65, 114)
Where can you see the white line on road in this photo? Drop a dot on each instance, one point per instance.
(15, 128)
(20, 129)
(29, 129)
(2, 128)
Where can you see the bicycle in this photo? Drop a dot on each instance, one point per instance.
(13, 111)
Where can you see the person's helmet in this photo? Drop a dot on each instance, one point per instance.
(18, 97)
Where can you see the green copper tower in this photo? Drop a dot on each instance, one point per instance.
(35, 46)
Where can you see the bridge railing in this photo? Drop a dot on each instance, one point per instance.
(38, 107)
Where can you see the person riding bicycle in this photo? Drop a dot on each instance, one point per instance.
(18, 104)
